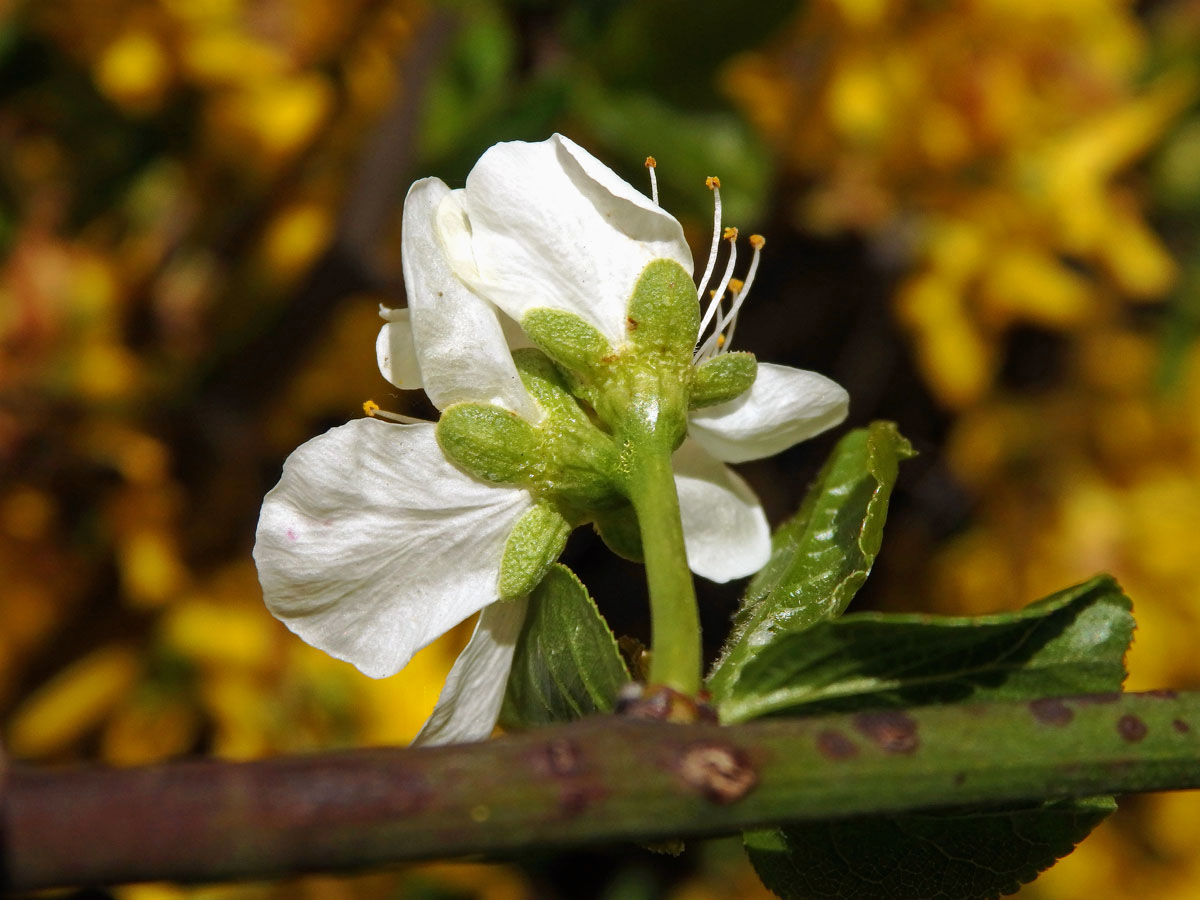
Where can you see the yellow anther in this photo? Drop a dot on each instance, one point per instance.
(370, 407)
(651, 162)
(735, 285)
(757, 241)
(730, 233)
(712, 182)
(720, 340)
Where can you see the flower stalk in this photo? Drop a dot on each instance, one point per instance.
(674, 620)
(648, 407)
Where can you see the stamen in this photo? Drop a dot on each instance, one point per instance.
(371, 408)
(652, 164)
(757, 241)
(731, 236)
(713, 183)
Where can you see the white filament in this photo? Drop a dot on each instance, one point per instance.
(716, 243)
(719, 293)
(396, 417)
(729, 320)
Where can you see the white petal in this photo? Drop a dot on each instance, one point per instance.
(395, 351)
(461, 347)
(783, 407)
(373, 544)
(552, 226)
(516, 337)
(470, 702)
(725, 530)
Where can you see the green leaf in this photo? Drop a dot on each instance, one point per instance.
(974, 856)
(1073, 642)
(821, 557)
(566, 663)
(1070, 643)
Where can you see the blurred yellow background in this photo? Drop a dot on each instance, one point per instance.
(983, 218)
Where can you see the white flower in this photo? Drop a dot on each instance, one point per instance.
(547, 225)
(373, 544)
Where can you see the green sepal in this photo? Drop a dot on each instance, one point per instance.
(490, 443)
(535, 543)
(822, 556)
(723, 378)
(663, 313)
(618, 528)
(580, 461)
(546, 384)
(567, 339)
(566, 663)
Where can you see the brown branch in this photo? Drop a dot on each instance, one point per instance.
(600, 779)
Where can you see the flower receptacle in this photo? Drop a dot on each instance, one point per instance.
(564, 460)
(642, 387)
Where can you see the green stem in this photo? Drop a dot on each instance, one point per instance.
(675, 623)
